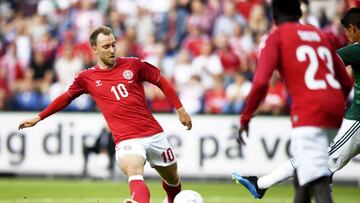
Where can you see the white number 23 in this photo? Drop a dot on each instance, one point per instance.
(304, 51)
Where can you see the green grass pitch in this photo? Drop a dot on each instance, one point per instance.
(85, 191)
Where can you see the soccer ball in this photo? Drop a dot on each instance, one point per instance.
(188, 196)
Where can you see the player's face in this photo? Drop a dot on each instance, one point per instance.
(352, 33)
(105, 49)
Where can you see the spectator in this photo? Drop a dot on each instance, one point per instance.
(12, 73)
(23, 43)
(236, 94)
(144, 24)
(225, 23)
(275, 102)
(46, 44)
(307, 17)
(258, 22)
(39, 27)
(86, 19)
(243, 45)
(194, 40)
(67, 66)
(200, 17)
(176, 24)
(229, 60)
(116, 22)
(40, 71)
(182, 10)
(215, 98)
(159, 9)
(207, 66)
(191, 94)
(182, 69)
(319, 6)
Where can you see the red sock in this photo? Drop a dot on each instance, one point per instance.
(139, 191)
(171, 191)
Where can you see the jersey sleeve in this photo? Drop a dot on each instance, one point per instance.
(148, 72)
(268, 61)
(341, 75)
(77, 87)
(169, 91)
(58, 104)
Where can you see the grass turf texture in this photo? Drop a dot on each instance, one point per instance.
(82, 191)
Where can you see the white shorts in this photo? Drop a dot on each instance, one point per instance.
(155, 149)
(345, 146)
(310, 147)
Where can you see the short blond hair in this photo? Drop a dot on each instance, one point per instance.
(100, 30)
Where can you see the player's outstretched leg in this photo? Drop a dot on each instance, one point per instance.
(171, 181)
(250, 183)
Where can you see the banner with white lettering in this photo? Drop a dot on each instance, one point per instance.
(55, 145)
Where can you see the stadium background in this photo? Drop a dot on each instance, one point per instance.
(207, 49)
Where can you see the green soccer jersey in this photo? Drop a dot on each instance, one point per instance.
(351, 56)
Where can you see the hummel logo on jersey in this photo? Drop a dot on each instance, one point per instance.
(98, 83)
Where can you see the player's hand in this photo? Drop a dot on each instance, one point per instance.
(242, 130)
(29, 123)
(184, 118)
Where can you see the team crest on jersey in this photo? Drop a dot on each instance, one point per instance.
(128, 74)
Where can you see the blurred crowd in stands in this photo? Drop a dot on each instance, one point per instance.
(206, 48)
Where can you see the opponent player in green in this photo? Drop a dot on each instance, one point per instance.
(346, 144)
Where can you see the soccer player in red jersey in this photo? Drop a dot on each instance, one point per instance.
(318, 85)
(116, 85)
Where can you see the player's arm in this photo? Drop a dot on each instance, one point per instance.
(342, 76)
(75, 90)
(152, 74)
(59, 103)
(268, 61)
(170, 93)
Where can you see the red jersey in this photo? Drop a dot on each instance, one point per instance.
(119, 94)
(314, 75)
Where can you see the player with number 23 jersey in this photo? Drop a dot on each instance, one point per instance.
(314, 75)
